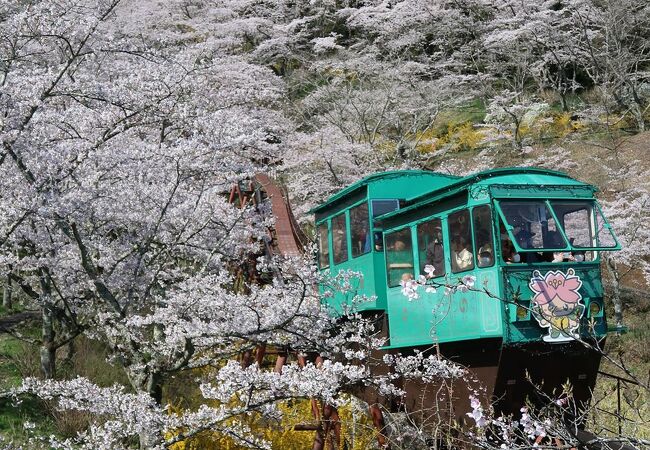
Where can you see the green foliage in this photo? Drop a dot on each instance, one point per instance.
(472, 112)
(89, 360)
(632, 347)
(18, 359)
(634, 409)
(633, 344)
(454, 129)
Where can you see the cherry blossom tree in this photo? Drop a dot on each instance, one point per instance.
(115, 159)
(318, 164)
(123, 124)
(117, 153)
(627, 210)
(613, 37)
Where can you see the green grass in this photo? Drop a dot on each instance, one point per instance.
(634, 407)
(14, 417)
(19, 359)
(633, 347)
(15, 357)
(11, 350)
(473, 112)
(5, 312)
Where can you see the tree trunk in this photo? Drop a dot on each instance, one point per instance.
(149, 439)
(48, 349)
(612, 268)
(7, 294)
(146, 382)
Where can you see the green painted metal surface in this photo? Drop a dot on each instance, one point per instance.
(397, 185)
(440, 318)
(437, 317)
(516, 291)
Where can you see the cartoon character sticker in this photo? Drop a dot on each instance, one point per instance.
(556, 303)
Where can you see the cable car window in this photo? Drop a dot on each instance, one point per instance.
(430, 247)
(339, 239)
(584, 224)
(462, 257)
(381, 207)
(399, 257)
(323, 246)
(533, 225)
(482, 216)
(360, 230)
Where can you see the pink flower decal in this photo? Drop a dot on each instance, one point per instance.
(555, 284)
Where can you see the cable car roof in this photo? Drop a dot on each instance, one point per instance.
(439, 184)
(533, 177)
(435, 181)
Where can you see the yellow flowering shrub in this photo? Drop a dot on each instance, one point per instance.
(460, 137)
(357, 431)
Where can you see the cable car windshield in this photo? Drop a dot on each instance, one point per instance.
(571, 225)
(532, 225)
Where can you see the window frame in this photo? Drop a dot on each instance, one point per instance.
(329, 246)
(592, 219)
(372, 201)
(416, 226)
(606, 225)
(509, 228)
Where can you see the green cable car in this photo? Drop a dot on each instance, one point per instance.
(529, 238)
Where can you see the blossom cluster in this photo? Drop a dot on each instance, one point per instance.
(410, 287)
